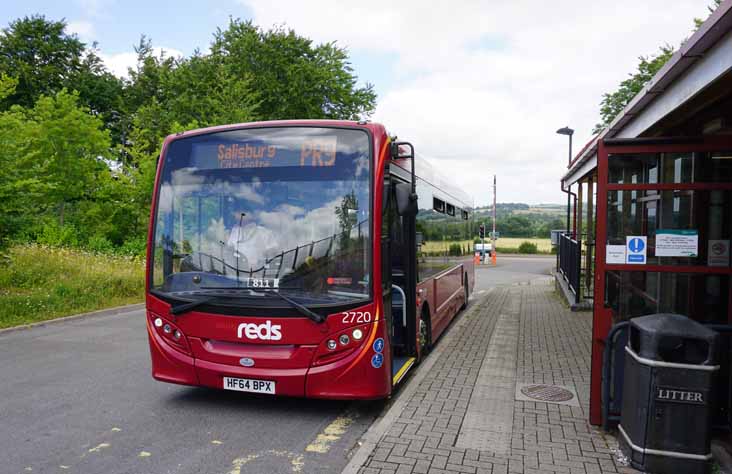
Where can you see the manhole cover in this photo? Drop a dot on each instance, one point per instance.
(547, 393)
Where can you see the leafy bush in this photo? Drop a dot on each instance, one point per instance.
(58, 236)
(528, 247)
(100, 244)
(134, 247)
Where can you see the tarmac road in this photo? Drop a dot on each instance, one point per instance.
(510, 270)
(77, 397)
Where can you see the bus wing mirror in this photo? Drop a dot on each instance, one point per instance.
(406, 200)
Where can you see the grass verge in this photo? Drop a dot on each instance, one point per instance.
(41, 283)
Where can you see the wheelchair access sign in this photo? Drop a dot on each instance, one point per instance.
(635, 249)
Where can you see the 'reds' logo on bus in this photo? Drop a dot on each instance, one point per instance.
(266, 331)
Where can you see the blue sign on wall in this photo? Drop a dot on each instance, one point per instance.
(635, 249)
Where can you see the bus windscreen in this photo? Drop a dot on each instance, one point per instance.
(244, 213)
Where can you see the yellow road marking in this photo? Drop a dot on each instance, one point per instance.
(63, 467)
(144, 454)
(330, 435)
(215, 441)
(99, 448)
(239, 462)
(116, 430)
(297, 463)
(398, 377)
(296, 460)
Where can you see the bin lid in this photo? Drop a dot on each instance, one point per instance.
(670, 324)
(673, 338)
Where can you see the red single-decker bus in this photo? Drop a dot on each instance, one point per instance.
(289, 258)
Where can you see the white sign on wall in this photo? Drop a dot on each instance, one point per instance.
(718, 253)
(615, 254)
(677, 243)
(635, 249)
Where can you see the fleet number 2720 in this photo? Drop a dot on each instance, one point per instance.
(350, 317)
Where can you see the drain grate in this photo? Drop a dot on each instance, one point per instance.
(547, 393)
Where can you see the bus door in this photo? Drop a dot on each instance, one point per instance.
(401, 217)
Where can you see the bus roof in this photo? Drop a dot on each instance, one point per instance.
(278, 123)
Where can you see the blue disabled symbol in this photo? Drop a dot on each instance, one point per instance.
(377, 360)
(379, 345)
(636, 245)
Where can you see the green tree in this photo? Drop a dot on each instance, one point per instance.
(40, 55)
(45, 59)
(715, 4)
(613, 103)
(67, 144)
(294, 77)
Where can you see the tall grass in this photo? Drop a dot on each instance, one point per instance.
(42, 282)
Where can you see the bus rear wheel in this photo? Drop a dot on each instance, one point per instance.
(425, 333)
(467, 293)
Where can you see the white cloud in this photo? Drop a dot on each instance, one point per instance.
(481, 86)
(84, 29)
(95, 8)
(119, 63)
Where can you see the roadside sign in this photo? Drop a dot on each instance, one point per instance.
(636, 247)
(677, 242)
(615, 254)
(718, 253)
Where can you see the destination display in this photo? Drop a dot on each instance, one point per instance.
(321, 151)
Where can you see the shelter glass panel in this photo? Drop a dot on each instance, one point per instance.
(672, 221)
(663, 168)
(703, 297)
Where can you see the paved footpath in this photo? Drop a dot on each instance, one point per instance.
(467, 409)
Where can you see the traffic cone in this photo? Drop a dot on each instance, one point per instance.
(493, 258)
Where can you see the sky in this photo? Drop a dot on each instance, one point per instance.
(478, 86)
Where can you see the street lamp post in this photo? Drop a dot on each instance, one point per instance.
(569, 132)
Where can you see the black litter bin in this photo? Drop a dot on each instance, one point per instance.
(670, 365)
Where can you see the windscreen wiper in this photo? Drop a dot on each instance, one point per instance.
(302, 308)
(183, 306)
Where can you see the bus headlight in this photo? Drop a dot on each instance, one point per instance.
(332, 344)
(357, 334)
(344, 339)
(169, 332)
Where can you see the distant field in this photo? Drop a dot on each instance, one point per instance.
(39, 283)
(504, 244)
(540, 210)
(543, 245)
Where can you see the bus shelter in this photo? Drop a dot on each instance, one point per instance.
(657, 190)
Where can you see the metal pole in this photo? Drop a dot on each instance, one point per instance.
(482, 241)
(493, 243)
(569, 204)
(569, 188)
